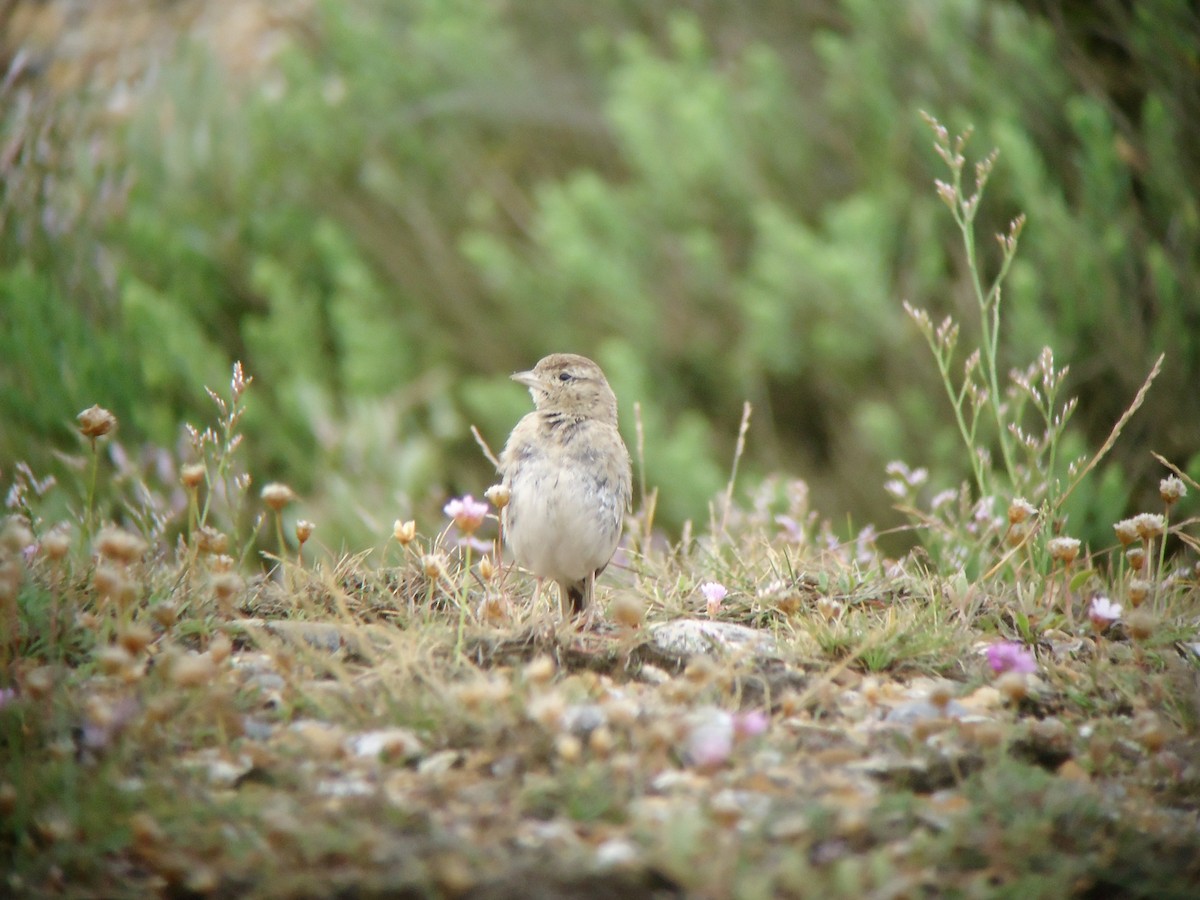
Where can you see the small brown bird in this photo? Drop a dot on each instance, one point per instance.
(569, 477)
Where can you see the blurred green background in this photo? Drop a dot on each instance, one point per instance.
(384, 208)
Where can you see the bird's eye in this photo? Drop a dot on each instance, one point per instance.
(564, 376)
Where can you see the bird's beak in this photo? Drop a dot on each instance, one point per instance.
(528, 379)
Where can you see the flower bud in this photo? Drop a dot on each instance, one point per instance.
(404, 532)
(191, 475)
(1171, 489)
(1020, 510)
(304, 530)
(277, 495)
(1063, 549)
(95, 422)
(498, 495)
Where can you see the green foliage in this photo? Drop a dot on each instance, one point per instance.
(724, 205)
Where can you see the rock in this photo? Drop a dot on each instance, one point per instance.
(690, 637)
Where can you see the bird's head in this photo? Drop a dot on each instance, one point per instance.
(572, 385)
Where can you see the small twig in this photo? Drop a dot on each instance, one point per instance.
(1010, 554)
(1117, 429)
(483, 445)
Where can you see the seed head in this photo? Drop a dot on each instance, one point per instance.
(404, 532)
(1014, 685)
(120, 546)
(1017, 533)
(1136, 557)
(220, 648)
(601, 741)
(210, 541)
(193, 669)
(191, 475)
(135, 638)
(494, 608)
(10, 583)
(225, 585)
(568, 747)
(540, 669)
(277, 495)
(15, 536)
(1127, 531)
(114, 659)
(1063, 549)
(95, 422)
(432, 565)
(1020, 510)
(700, 670)
(107, 581)
(1138, 590)
(498, 495)
(165, 614)
(1149, 525)
(1149, 731)
(56, 544)
(304, 530)
(1171, 489)
(8, 799)
(1140, 624)
(38, 683)
(147, 833)
(627, 610)
(941, 694)
(829, 608)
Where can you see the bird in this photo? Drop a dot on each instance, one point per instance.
(569, 478)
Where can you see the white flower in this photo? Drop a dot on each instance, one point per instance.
(1103, 611)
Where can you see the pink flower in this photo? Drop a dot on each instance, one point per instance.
(792, 529)
(467, 513)
(1010, 656)
(713, 733)
(1103, 611)
(714, 592)
(750, 724)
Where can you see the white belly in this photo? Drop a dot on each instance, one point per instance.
(562, 525)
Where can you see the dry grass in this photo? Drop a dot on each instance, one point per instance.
(408, 720)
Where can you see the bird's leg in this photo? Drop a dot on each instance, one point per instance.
(589, 593)
(575, 597)
(566, 599)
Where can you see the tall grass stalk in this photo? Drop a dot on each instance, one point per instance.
(980, 387)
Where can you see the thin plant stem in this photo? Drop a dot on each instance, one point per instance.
(1066, 598)
(462, 601)
(989, 308)
(737, 458)
(279, 534)
(90, 512)
(1138, 399)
